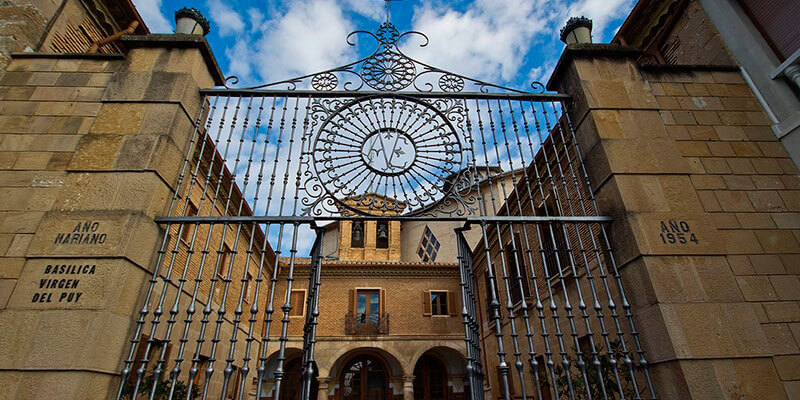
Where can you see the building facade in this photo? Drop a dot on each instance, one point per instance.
(634, 233)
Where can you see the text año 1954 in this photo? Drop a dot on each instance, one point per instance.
(677, 232)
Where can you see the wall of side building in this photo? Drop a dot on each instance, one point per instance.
(87, 164)
(668, 151)
(407, 327)
(700, 32)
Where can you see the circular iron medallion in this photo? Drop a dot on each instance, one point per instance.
(387, 156)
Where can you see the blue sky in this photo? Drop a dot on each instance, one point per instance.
(508, 42)
(505, 42)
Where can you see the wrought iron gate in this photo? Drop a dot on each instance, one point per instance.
(386, 138)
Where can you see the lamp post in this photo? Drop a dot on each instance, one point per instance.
(191, 21)
(577, 30)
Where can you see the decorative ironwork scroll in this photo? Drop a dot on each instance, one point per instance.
(400, 148)
(387, 69)
(384, 138)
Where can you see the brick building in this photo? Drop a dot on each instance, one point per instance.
(635, 232)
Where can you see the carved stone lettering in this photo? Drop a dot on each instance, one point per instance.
(83, 233)
(60, 283)
(677, 232)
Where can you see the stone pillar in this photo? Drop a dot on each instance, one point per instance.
(324, 387)
(670, 156)
(94, 144)
(408, 387)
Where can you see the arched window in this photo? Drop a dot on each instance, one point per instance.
(382, 235)
(430, 379)
(364, 378)
(293, 379)
(357, 234)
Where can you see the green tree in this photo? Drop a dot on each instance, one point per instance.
(162, 389)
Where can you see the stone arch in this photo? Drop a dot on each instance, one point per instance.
(291, 352)
(387, 354)
(450, 353)
(455, 364)
(272, 358)
(344, 356)
(331, 365)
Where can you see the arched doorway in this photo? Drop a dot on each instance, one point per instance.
(430, 379)
(293, 379)
(364, 377)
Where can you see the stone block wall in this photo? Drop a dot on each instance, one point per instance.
(47, 107)
(404, 287)
(21, 26)
(88, 157)
(693, 40)
(745, 180)
(683, 153)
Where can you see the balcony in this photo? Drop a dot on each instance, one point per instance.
(366, 325)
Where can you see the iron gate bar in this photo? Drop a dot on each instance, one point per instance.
(312, 313)
(472, 335)
(497, 126)
(558, 97)
(314, 220)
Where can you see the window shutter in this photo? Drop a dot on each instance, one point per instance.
(353, 301)
(426, 302)
(451, 303)
(383, 302)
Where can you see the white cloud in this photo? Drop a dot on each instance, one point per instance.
(368, 8)
(225, 19)
(239, 62)
(542, 73)
(306, 37)
(491, 39)
(488, 40)
(256, 17)
(150, 10)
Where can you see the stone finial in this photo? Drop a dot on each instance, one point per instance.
(577, 30)
(191, 21)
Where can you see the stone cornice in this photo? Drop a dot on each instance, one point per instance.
(401, 270)
(589, 50)
(86, 56)
(181, 41)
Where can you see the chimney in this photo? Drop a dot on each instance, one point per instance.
(191, 21)
(577, 30)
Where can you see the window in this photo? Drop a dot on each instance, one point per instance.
(543, 378)
(222, 269)
(186, 234)
(382, 235)
(500, 381)
(367, 315)
(156, 347)
(516, 269)
(364, 377)
(368, 306)
(233, 384)
(202, 365)
(428, 246)
(357, 234)
(246, 288)
(223, 262)
(298, 300)
(552, 250)
(439, 302)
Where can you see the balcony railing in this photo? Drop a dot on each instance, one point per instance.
(368, 325)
